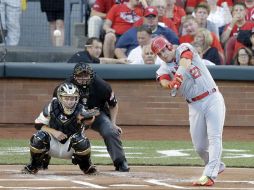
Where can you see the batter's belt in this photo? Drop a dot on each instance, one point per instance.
(201, 96)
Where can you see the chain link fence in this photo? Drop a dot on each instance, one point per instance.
(35, 27)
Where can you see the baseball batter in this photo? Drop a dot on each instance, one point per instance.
(187, 74)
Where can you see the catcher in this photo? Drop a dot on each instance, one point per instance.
(60, 132)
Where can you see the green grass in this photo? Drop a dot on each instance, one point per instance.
(140, 153)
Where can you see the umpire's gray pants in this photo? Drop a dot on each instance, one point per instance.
(111, 136)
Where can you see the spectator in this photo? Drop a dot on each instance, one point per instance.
(204, 40)
(199, 49)
(128, 41)
(10, 12)
(97, 17)
(190, 28)
(120, 18)
(92, 52)
(148, 57)
(174, 12)
(191, 4)
(220, 15)
(252, 41)
(161, 6)
(158, 10)
(245, 38)
(54, 10)
(201, 13)
(238, 23)
(250, 10)
(144, 38)
(243, 57)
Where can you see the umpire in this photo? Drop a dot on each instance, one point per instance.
(97, 93)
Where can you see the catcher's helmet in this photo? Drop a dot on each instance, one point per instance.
(68, 97)
(159, 43)
(83, 74)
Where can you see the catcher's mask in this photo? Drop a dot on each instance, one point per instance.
(68, 96)
(160, 43)
(83, 74)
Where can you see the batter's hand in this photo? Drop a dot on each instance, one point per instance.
(176, 82)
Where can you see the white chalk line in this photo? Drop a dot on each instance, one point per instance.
(158, 182)
(73, 187)
(165, 182)
(89, 184)
(86, 184)
(128, 185)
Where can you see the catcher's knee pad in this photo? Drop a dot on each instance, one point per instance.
(40, 142)
(80, 144)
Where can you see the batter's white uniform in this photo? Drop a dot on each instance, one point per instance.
(206, 108)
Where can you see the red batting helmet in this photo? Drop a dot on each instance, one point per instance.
(159, 43)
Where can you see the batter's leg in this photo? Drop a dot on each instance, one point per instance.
(215, 117)
(198, 131)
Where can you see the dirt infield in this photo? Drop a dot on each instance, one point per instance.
(140, 177)
(153, 177)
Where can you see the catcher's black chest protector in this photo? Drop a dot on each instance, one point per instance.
(62, 122)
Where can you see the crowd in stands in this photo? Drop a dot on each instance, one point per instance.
(211, 26)
(120, 31)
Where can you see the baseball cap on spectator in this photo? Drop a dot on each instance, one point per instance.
(150, 10)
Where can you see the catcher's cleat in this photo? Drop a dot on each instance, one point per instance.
(123, 167)
(203, 181)
(222, 168)
(29, 169)
(91, 170)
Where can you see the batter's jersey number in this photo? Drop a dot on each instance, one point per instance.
(195, 72)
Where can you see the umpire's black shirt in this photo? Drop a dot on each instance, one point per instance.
(97, 94)
(83, 56)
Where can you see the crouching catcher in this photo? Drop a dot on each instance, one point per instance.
(60, 132)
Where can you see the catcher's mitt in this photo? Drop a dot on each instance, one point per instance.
(88, 114)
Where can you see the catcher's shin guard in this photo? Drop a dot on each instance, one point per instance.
(81, 156)
(85, 163)
(38, 161)
(45, 161)
(29, 169)
(39, 146)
